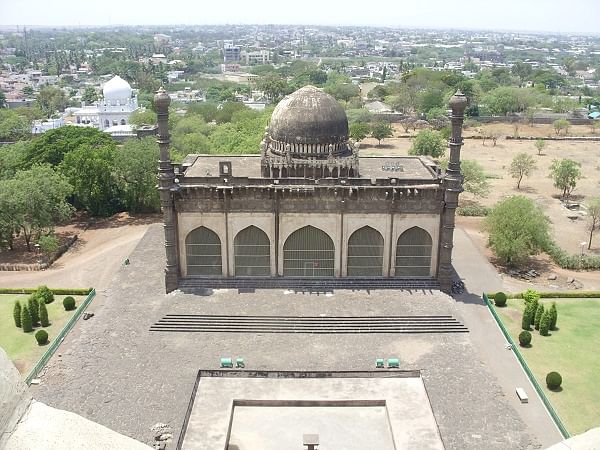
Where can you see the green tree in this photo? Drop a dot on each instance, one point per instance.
(517, 229)
(538, 316)
(13, 127)
(359, 131)
(34, 201)
(428, 142)
(521, 166)
(52, 146)
(274, 87)
(17, 314)
(34, 308)
(380, 131)
(526, 319)
(142, 117)
(545, 323)
(505, 99)
(2, 99)
(43, 314)
(593, 217)
(51, 99)
(565, 173)
(90, 170)
(26, 321)
(361, 115)
(27, 91)
(474, 179)
(431, 98)
(48, 243)
(560, 125)
(553, 316)
(89, 95)
(135, 169)
(539, 145)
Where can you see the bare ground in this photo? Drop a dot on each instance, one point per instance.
(93, 260)
(568, 227)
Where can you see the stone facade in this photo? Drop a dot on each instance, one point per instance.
(309, 176)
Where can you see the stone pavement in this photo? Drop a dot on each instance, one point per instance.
(480, 276)
(113, 370)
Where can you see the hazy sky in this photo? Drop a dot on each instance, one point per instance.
(536, 15)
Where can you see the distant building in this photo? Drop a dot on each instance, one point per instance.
(231, 53)
(256, 58)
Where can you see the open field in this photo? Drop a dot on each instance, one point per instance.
(568, 232)
(570, 350)
(22, 348)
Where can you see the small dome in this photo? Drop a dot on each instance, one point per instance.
(309, 116)
(116, 89)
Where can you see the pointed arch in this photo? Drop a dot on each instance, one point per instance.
(365, 253)
(203, 253)
(413, 253)
(252, 253)
(308, 252)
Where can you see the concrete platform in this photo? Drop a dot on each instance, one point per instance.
(245, 410)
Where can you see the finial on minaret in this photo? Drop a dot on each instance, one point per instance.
(458, 103)
(161, 99)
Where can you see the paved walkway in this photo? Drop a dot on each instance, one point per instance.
(480, 276)
(113, 370)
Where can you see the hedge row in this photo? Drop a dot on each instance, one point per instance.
(57, 291)
(572, 262)
(554, 294)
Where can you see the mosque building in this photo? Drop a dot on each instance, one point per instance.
(111, 113)
(309, 207)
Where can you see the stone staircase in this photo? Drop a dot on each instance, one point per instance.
(194, 285)
(193, 323)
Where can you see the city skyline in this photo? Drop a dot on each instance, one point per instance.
(510, 15)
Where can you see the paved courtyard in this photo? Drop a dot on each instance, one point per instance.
(113, 370)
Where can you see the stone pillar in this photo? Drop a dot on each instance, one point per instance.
(453, 182)
(166, 181)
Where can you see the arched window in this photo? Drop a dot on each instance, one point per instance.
(365, 253)
(308, 252)
(252, 251)
(413, 253)
(122, 121)
(203, 252)
(106, 123)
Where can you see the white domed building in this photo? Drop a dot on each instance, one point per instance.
(117, 104)
(111, 113)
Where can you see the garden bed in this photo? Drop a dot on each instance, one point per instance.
(21, 347)
(571, 350)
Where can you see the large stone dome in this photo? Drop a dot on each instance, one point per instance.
(116, 89)
(309, 116)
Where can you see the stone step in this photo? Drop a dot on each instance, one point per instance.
(192, 284)
(309, 325)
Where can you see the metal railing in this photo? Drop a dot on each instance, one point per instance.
(559, 424)
(59, 338)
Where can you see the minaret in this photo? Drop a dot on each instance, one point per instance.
(453, 181)
(166, 181)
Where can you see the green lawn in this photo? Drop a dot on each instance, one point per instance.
(573, 350)
(22, 348)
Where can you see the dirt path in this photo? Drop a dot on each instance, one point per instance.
(92, 262)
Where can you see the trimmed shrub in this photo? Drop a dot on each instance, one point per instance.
(41, 336)
(17, 314)
(553, 380)
(26, 322)
(553, 294)
(34, 308)
(545, 323)
(533, 307)
(500, 299)
(473, 211)
(553, 316)
(524, 338)
(44, 293)
(43, 313)
(69, 303)
(538, 317)
(526, 320)
(530, 295)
